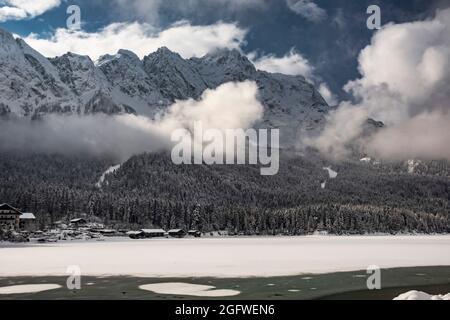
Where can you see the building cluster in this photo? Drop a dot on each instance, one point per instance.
(158, 233)
(24, 226)
(12, 219)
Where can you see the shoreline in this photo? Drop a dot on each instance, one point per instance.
(112, 239)
(226, 257)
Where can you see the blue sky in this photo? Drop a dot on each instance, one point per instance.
(329, 35)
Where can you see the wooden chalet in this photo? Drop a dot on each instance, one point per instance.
(153, 233)
(195, 233)
(177, 233)
(27, 221)
(78, 222)
(9, 217)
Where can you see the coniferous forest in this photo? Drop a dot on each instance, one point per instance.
(150, 191)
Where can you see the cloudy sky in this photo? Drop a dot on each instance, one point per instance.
(399, 75)
(320, 39)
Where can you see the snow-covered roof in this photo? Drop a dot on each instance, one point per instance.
(27, 216)
(9, 209)
(175, 230)
(108, 231)
(133, 232)
(153, 231)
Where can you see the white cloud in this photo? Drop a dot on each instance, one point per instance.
(425, 136)
(293, 63)
(184, 38)
(405, 76)
(229, 106)
(23, 9)
(11, 13)
(307, 9)
(411, 63)
(326, 93)
(343, 126)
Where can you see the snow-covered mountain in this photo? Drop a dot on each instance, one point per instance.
(32, 85)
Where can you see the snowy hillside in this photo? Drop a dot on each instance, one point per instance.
(33, 85)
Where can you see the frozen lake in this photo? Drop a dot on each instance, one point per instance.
(225, 257)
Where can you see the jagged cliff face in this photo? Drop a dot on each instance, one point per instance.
(29, 83)
(32, 85)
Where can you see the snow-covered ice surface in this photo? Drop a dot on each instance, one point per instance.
(419, 295)
(188, 289)
(28, 288)
(225, 257)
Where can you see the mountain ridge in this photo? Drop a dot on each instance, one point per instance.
(34, 85)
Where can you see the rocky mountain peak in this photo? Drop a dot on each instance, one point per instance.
(164, 57)
(6, 36)
(80, 74)
(226, 57)
(33, 85)
(164, 51)
(224, 65)
(74, 61)
(8, 45)
(128, 54)
(119, 57)
(176, 77)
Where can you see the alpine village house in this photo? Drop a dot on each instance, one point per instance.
(12, 219)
